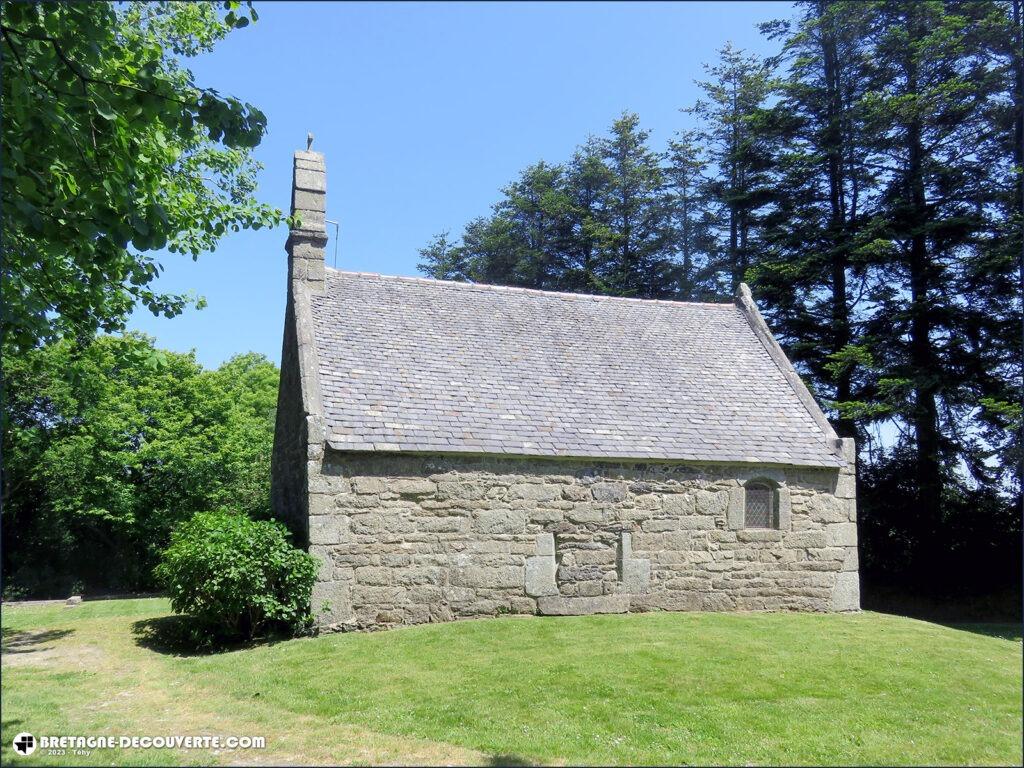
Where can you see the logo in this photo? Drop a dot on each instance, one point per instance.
(24, 744)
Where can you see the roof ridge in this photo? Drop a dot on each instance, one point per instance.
(532, 291)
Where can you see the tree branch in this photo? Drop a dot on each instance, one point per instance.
(86, 78)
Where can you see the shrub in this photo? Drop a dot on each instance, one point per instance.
(237, 576)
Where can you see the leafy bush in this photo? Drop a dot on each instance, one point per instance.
(237, 576)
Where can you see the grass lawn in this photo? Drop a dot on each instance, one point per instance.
(647, 688)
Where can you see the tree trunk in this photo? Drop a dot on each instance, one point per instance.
(733, 184)
(925, 418)
(686, 289)
(833, 139)
(1018, 157)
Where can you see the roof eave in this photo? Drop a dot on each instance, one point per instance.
(343, 446)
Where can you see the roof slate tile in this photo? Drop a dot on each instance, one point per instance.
(414, 364)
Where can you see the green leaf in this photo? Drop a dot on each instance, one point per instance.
(153, 160)
(26, 185)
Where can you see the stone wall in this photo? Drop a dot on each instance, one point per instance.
(410, 539)
(288, 480)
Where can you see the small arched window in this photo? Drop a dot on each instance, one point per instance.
(759, 506)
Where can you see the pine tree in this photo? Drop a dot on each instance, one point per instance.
(937, 149)
(588, 236)
(638, 258)
(603, 224)
(531, 237)
(693, 220)
(443, 259)
(819, 230)
(730, 116)
(996, 278)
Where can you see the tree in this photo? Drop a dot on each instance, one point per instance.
(600, 224)
(886, 269)
(111, 445)
(520, 243)
(588, 234)
(693, 220)
(941, 159)
(730, 128)
(111, 152)
(996, 280)
(639, 251)
(818, 227)
(443, 259)
(524, 242)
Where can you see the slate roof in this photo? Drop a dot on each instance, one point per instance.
(411, 364)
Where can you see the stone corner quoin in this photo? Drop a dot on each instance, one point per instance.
(410, 536)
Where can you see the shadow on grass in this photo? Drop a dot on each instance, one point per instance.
(510, 760)
(183, 636)
(9, 727)
(999, 608)
(29, 641)
(1004, 631)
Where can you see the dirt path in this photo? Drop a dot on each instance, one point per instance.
(141, 692)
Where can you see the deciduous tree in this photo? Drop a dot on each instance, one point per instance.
(106, 452)
(112, 152)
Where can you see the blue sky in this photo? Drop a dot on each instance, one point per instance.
(424, 111)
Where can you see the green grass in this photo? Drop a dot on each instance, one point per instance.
(647, 688)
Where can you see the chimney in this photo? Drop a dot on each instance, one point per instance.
(307, 240)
